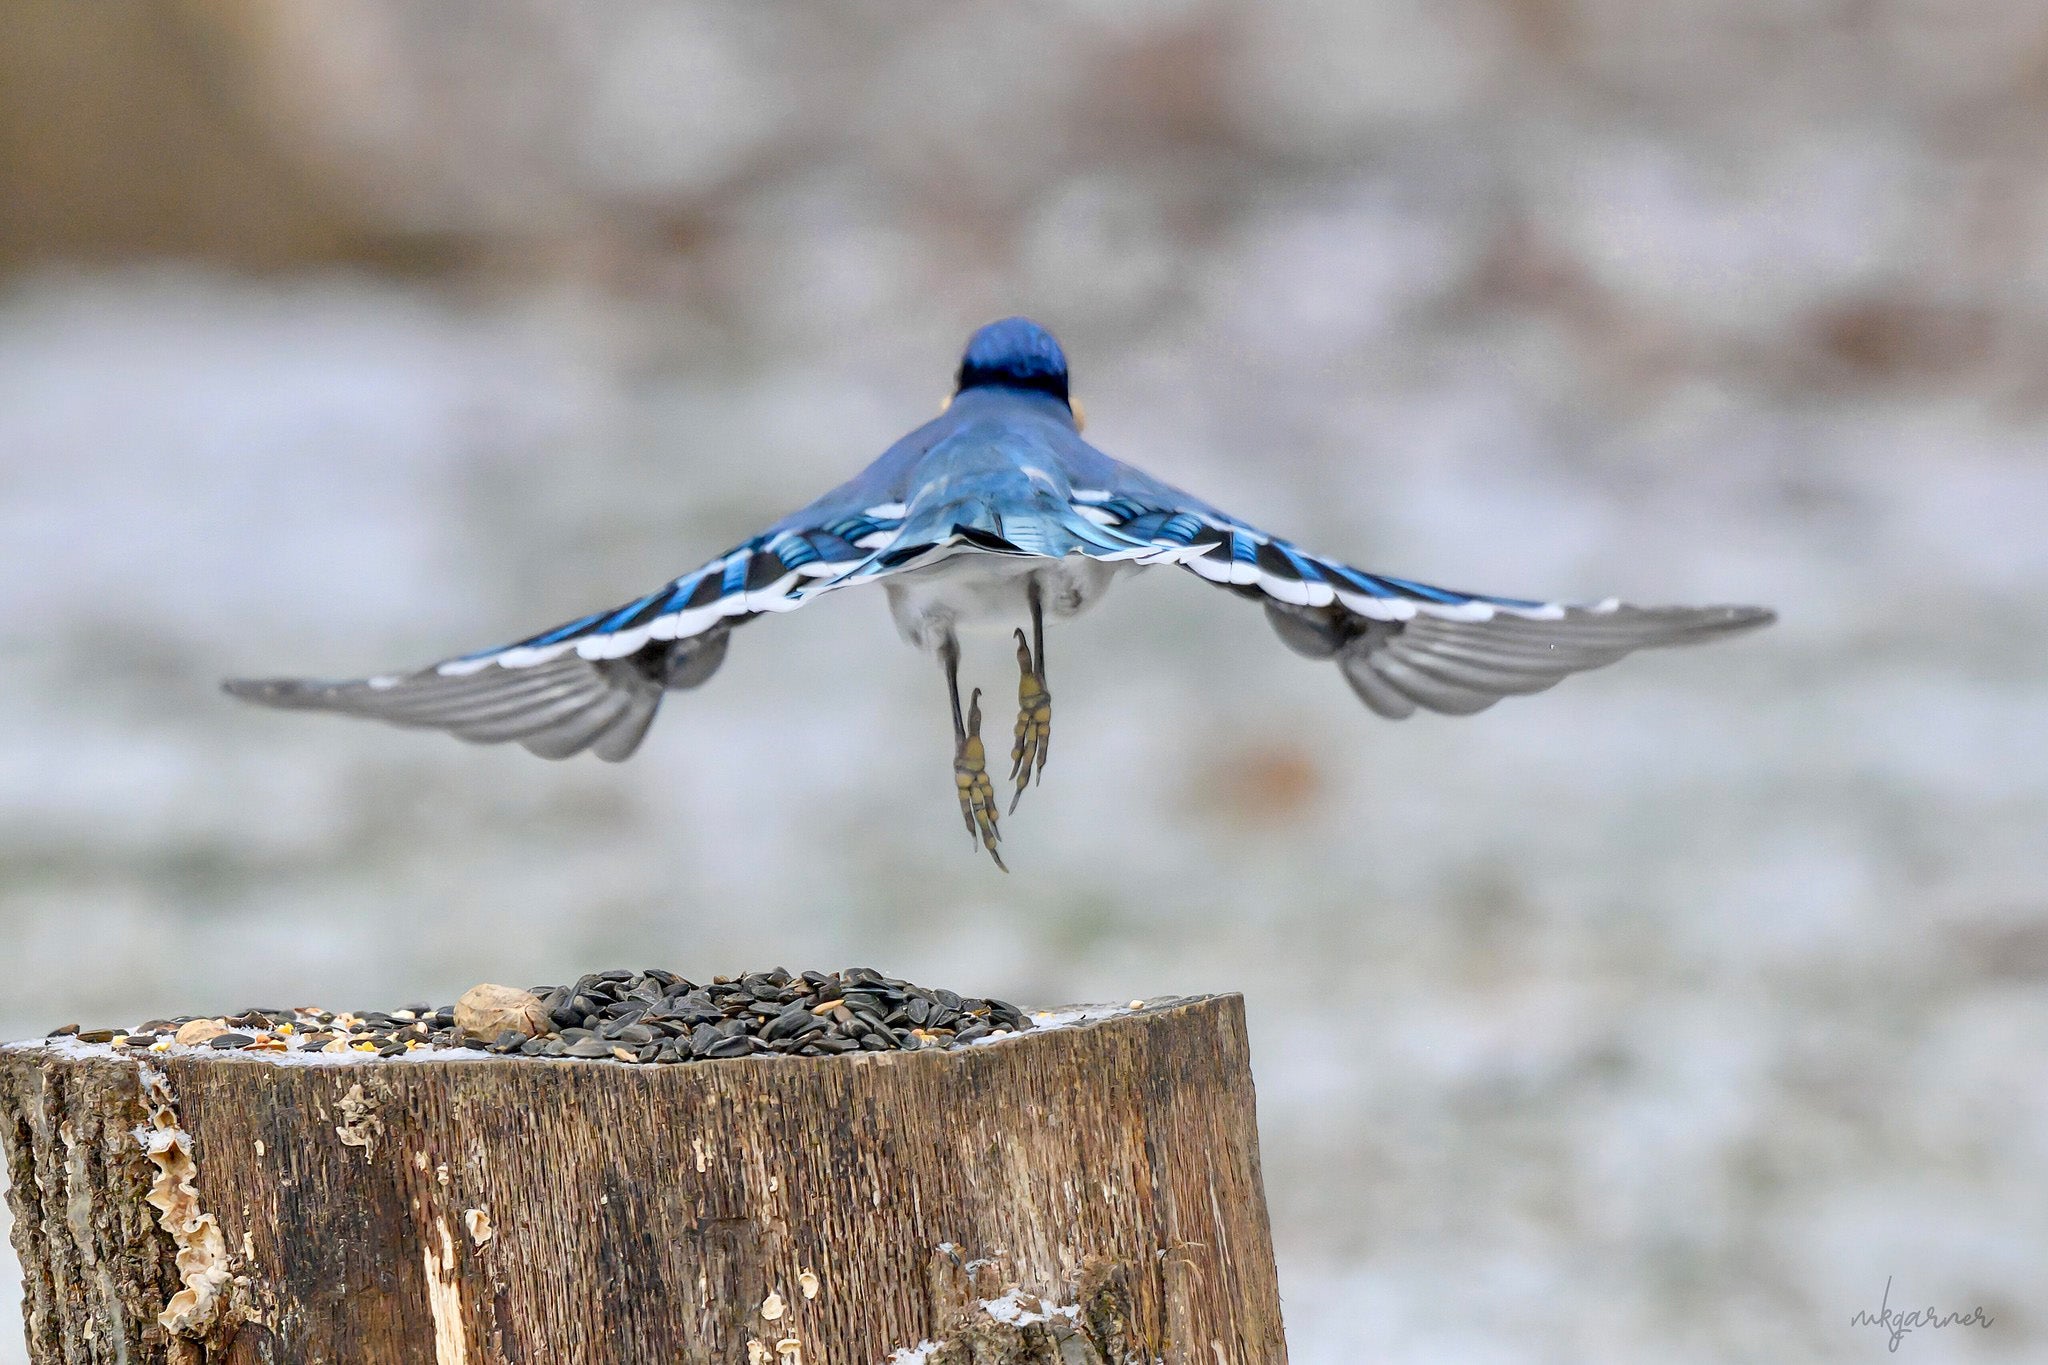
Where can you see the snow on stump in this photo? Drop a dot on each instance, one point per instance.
(1085, 1192)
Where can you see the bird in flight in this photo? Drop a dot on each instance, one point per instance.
(998, 514)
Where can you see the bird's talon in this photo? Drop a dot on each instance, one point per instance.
(1033, 734)
(977, 792)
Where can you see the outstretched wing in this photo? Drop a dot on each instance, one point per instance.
(596, 682)
(555, 708)
(1400, 644)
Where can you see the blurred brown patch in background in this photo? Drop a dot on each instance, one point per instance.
(141, 128)
(1254, 784)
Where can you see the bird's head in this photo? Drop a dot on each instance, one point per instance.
(1015, 353)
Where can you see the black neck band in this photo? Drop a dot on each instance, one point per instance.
(975, 377)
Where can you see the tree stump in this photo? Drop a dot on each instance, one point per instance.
(1087, 1194)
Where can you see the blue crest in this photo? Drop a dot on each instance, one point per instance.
(1015, 353)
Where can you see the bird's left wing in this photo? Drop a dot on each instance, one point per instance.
(1401, 645)
(596, 682)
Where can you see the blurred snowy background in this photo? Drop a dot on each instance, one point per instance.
(1662, 1017)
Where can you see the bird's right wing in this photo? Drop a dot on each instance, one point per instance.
(596, 682)
(1404, 645)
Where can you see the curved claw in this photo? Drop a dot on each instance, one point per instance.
(1033, 735)
(970, 777)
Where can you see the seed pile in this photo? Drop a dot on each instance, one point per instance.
(647, 1016)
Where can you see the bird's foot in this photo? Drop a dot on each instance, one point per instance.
(1034, 724)
(977, 793)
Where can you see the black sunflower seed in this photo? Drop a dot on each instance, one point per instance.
(644, 1017)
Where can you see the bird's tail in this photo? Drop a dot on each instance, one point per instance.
(1038, 524)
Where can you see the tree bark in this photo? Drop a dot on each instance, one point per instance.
(1081, 1195)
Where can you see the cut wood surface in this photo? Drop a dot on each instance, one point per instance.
(1076, 1195)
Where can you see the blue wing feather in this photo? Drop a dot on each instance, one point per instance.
(1401, 645)
(773, 572)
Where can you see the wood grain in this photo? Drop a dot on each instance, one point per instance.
(779, 1210)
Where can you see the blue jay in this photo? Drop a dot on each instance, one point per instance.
(997, 513)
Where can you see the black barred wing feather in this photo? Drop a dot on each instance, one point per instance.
(1403, 645)
(596, 682)
(770, 573)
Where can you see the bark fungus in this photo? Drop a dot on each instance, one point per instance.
(1087, 1194)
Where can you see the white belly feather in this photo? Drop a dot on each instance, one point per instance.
(974, 591)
